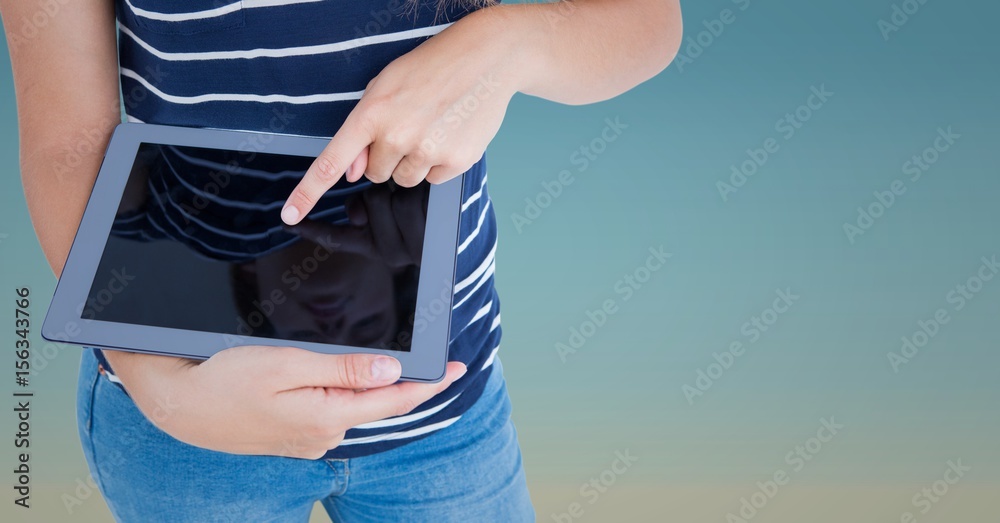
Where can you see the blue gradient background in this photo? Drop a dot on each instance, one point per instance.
(656, 186)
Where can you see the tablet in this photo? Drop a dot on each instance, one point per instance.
(182, 252)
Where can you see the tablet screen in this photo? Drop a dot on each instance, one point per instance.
(198, 244)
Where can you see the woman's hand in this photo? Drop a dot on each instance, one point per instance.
(278, 401)
(428, 115)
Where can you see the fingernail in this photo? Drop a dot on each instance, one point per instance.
(290, 214)
(462, 373)
(384, 368)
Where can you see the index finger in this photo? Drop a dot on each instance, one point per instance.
(326, 170)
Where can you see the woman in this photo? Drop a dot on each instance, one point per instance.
(408, 90)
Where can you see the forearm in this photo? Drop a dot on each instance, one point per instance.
(583, 51)
(57, 182)
(59, 163)
(66, 84)
(58, 175)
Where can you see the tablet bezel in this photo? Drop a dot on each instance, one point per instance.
(428, 354)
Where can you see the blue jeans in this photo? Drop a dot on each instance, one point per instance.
(469, 471)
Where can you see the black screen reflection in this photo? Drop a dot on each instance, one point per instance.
(198, 244)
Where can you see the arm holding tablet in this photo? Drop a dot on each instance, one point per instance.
(66, 81)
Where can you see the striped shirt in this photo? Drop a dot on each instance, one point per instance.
(234, 221)
(299, 67)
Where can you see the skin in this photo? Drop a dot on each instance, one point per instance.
(410, 125)
(283, 400)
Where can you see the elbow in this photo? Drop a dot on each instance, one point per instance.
(664, 30)
(654, 43)
(675, 36)
(669, 33)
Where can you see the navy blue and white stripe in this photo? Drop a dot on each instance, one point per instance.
(299, 67)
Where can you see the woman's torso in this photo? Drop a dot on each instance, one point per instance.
(299, 67)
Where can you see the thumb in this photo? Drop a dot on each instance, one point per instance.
(346, 371)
